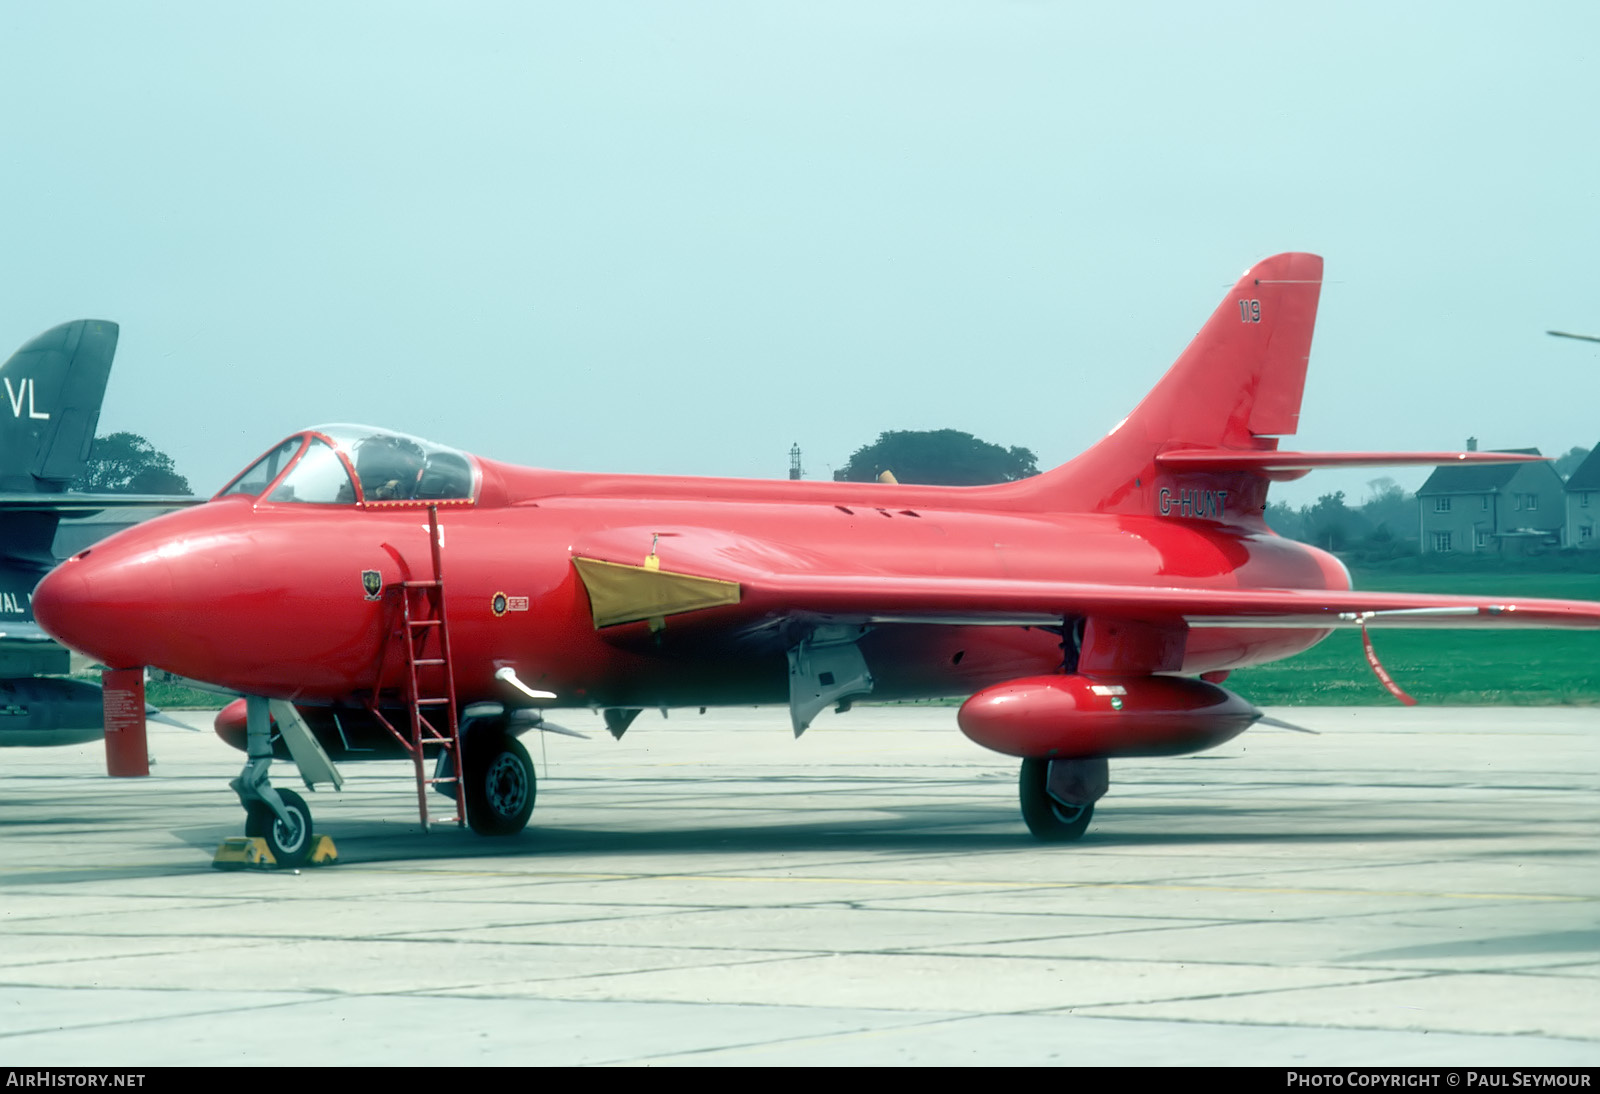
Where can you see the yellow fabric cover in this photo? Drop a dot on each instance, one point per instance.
(619, 593)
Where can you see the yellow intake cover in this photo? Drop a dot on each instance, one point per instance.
(619, 593)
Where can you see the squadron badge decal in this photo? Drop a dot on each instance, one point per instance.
(372, 583)
(501, 604)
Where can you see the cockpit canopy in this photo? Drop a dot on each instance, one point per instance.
(358, 464)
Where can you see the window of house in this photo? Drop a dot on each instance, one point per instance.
(1441, 541)
(1583, 499)
(1529, 501)
(1486, 503)
(1483, 539)
(1585, 533)
(1441, 505)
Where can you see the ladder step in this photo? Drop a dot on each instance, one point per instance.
(424, 617)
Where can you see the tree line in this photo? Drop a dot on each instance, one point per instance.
(126, 463)
(1380, 528)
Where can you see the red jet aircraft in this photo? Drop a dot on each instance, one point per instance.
(1090, 612)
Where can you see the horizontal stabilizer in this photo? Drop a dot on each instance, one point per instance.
(24, 630)
(69, 502)
(1295, 464)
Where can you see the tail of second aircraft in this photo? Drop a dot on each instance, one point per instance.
(1236, 388)
(50, 394)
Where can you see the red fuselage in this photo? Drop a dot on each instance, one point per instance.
(267, 597)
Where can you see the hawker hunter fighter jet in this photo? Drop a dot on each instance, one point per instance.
(362, 586)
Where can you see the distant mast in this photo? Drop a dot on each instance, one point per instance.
(794, 462)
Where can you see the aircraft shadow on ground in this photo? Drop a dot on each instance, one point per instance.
(914, 831)
(1579, 942)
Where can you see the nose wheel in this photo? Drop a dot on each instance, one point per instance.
(289, 837)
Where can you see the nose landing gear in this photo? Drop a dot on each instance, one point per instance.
(278, 818)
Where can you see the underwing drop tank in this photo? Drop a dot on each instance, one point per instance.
(1082, 717)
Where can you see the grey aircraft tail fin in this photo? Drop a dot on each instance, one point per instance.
(50, 393)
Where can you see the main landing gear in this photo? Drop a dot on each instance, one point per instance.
(1058, 796)
(500, 783)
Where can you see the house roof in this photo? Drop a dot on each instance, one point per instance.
(1587, 476)
(1470, 478)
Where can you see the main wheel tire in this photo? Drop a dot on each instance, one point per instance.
(1047, 818)
(290, 843)
(500, 785)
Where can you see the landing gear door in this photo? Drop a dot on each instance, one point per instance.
(824, 669)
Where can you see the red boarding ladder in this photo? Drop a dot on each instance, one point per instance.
(430, 694)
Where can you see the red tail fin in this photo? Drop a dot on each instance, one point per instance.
(1237, 385)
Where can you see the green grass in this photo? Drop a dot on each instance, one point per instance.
(1445, 666)
(177, 697)
(168, 695)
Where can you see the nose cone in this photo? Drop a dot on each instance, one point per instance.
(148, 596)
(107, 602)
(266, 603)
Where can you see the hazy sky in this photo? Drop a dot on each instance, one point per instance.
(678, 237)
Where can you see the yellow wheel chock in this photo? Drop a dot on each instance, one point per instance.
(250, 853)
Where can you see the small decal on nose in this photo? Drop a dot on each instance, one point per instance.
(372, 584)
(501, 604)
